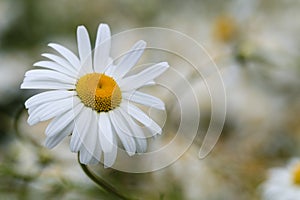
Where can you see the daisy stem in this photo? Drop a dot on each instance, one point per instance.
(102, 183)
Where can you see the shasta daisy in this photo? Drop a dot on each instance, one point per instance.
(90, 98)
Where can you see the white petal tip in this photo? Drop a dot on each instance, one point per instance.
(165, 64)
(46, 55)
(73, 150)
(80, 26)
(141, 150)
(37, 64)
(160, 107)
(108, 149)
(51, 142)
(103, 25)
(92, 162)
(158, 131)
(130, 153)
(141, 43)
(103, 28)
(84, 161)
(108, 164)
(53, 45)
(26, 104)
(32, 121)
(49, 145)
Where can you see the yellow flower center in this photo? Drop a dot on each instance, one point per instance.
(98, 91)
(296, 174)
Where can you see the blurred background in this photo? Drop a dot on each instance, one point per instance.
(256, 47)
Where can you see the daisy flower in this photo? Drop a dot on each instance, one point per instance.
(93, 99)
(283, 183)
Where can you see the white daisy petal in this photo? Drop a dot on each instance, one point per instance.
(89, 144)
(129, 59)
(144, 99)
(59, 61)
(66, 53)
(141, 145)
(97, 149)
(139, 137)
(46, 85)
(54, 103)
(38, 79)
(110, 157)
(87, 158)
(80, 129)
(84, 49)
(102, 48)
(36, 112)
(63, 120)
(142, 78)
(110, 70)
(48, 75)
(150, 83)
(54, 66)
(48, 96)
(140, 116)
(52, 141)
(107, 140)
(49, 110)
(105, 132)
(75, 142)
(123, 132)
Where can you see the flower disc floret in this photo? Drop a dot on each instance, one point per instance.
(99, 91)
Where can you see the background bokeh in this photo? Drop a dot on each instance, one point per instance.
(256, 47)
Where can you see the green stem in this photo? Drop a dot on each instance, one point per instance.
(100, 182)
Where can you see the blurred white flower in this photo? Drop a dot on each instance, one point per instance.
(283, 183)
(91, 98)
